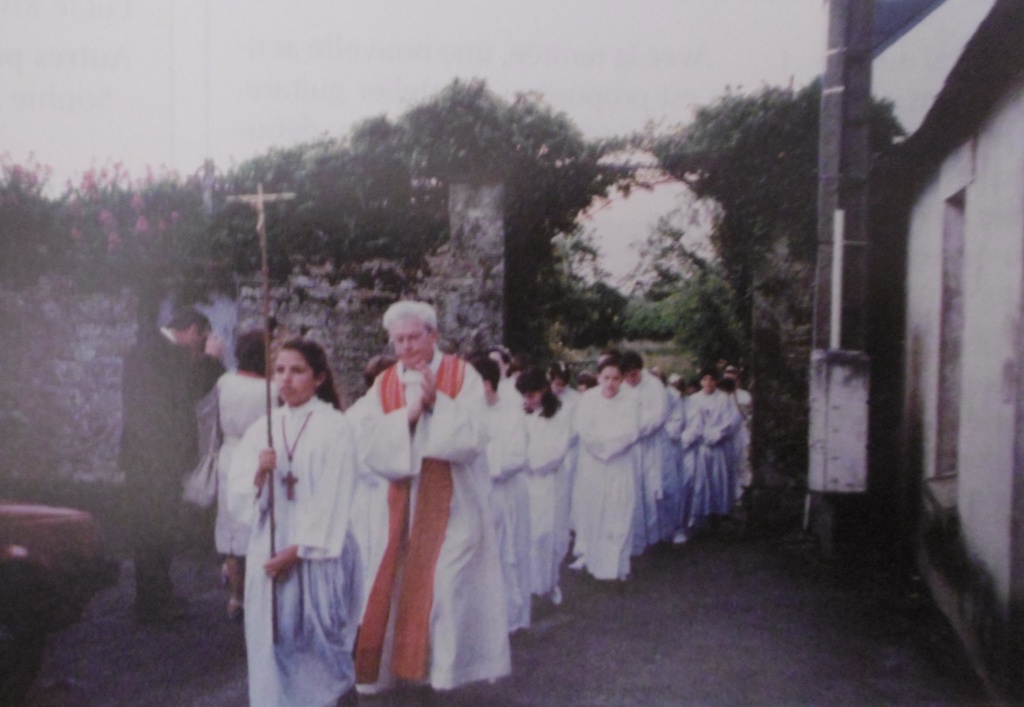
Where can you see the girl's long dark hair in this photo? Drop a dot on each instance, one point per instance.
(316, 357)
(533, 380)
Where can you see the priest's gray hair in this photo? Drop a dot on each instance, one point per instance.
(409, 309)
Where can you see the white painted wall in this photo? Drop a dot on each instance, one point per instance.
(924, 298)
(912, 71)
(994, 260)
(992, 168)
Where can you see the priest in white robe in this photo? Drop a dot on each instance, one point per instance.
(653, 410)
(510, 499)
(436, 611)
(603, 496)
(312, 578)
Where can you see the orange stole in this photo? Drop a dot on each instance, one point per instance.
(417, 551)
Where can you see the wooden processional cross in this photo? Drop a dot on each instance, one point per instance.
(257, 201)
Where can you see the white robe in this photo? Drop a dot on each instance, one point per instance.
(670, 507)
(653, 405)
(318, 601)
(603, 496)
(510, 505)
(508, 394)
(711, 421)
(546, 448)
(369, 508)
(570, 398)
(468, 623)
(689, 450)
(241, 400)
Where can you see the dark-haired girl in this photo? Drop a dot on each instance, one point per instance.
(607, 421)
(548, 432)
(315, 565)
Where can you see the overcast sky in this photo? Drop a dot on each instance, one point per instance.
(170, 82)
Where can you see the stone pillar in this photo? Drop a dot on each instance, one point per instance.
(467, 276)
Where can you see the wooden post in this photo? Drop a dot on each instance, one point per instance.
(844, 166)
(257, 201)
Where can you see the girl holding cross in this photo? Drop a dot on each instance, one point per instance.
(316, 569)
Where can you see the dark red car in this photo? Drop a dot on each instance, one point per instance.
(51, 565)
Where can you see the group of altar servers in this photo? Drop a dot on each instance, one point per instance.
(431, 513)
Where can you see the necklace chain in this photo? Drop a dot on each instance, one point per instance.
(290, 450)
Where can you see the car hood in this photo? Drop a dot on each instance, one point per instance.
(48, 535)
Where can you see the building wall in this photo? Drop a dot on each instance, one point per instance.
(994, 259)
(924, 290)
(990, 170)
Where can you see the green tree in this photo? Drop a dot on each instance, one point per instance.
(355, 200)
(755, 155)
(550, 172)
(590, 312)
(382, 191)
(684, 297)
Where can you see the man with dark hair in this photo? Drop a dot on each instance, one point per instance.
(165, 374)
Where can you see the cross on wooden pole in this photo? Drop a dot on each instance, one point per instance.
(257, 201)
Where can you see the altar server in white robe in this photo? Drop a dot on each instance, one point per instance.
(653, 406)
(745, 403)
(241, 400)
(558, 377)
(711, 420)
(370, 498)
(548, 432)
(315, 566)
(436, 611)
(603, 496)
(510, 500)
(670, 511)
(507, 392)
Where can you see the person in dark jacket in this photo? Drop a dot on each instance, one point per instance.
(165, 374)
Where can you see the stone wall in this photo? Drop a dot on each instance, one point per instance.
(60, 397)
(60, 388)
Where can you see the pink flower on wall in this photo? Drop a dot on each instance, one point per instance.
(113, 241)
(89, 185)
(142, 225)
(106, 218)
(137, 203)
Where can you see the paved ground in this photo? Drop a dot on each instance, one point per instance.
(719, 621)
